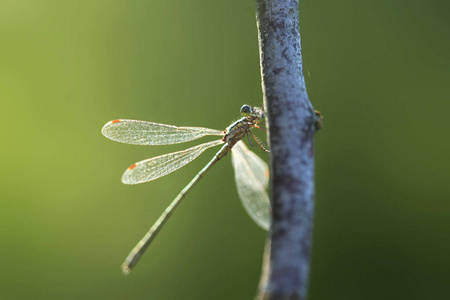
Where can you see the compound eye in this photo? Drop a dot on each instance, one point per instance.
(246, 110)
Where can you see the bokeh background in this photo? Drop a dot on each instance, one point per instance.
(377, 70)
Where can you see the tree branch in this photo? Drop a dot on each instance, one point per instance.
(292, 124)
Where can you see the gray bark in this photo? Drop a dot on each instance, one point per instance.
(291, 127)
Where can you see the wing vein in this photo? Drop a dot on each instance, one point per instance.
(252, 177)
(149, 133)
(156, 167)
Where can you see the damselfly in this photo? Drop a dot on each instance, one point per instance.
(251, 172)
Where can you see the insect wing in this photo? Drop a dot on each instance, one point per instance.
(149, 133)
(155, 167)
(252, 178)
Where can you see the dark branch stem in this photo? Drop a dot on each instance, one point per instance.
(291, 124)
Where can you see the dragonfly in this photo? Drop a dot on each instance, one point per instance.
(251, 172)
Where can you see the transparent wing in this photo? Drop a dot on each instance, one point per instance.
(252, 178)
(149, 133)
(159, 166)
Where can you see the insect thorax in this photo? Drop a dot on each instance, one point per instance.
(236, 131)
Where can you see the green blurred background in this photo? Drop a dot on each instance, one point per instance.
(377, 70)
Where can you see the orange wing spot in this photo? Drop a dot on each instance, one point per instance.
(132, 167)
(115, 121)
